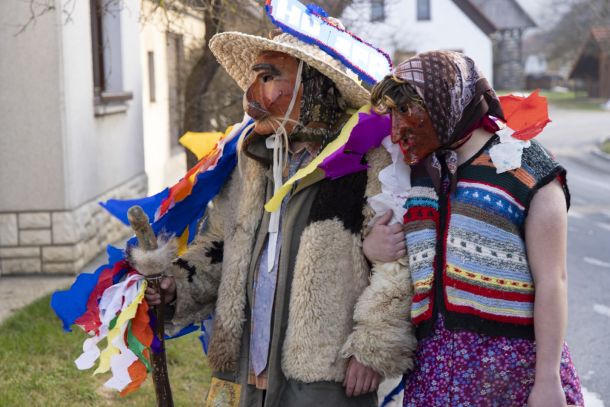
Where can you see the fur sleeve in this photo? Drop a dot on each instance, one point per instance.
(383, 336)
(198, 270)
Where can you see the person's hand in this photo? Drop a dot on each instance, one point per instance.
(168, 285)
(385, 243)
(547, 392)
(360, 379)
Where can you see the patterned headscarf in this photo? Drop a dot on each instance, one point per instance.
(457, 97)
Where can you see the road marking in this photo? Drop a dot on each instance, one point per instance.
(591, 399)
(588, 375)
(602, 309)
(588, 180)
(605, 226)
(577, 201)
(596, 262)
(590, 210)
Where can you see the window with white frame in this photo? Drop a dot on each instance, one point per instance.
(423, 10)
(152, 84)
(107, 52)
(377, 10)
(175, 80)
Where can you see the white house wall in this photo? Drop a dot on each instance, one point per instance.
(57, 158)
(164, 165)
(449, 28)
(31, 154)
(101, 151)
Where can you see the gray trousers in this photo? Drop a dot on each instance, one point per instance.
(318, 394)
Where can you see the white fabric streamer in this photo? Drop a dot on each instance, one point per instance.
(395, 185)
(119, 364)
(114, 299)
(279, 161)
(507, 154)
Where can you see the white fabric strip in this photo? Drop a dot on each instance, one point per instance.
(279, 161)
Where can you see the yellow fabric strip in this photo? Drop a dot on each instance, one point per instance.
(490, 310)
(183, 242)
(127, 314)
(223, 393)
(415, 312)
(275, 201)
(423, 285)
(202, 144)
(503, 284)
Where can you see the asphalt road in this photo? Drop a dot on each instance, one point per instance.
(572, 136)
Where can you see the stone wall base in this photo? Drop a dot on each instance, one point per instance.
(62, 242)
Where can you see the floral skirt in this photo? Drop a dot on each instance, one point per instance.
(460, 368)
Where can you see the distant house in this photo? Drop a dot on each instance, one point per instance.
(593, 63)
(489, 31)
(510, 21)
(406, 27)
(90, 110)
(170, 41)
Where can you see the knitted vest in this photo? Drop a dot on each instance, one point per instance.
(467, 252)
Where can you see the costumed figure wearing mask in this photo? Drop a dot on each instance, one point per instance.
(485, 225)
(283, 285)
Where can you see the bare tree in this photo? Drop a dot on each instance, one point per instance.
(566, 37)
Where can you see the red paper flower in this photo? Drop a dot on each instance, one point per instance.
(527, 116)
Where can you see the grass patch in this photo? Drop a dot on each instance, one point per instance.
(572, 100)
(37, 366)
(605, 147)
(566, 100)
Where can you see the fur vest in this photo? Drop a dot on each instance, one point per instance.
(338, 306)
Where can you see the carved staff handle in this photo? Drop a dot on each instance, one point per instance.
(148, 241)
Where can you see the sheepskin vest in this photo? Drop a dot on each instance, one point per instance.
(336, 309)
(467, 251)
(329, 274)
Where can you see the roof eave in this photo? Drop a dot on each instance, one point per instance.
(473, 12)
(531, 22)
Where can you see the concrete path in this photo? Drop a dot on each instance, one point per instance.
(18, 291)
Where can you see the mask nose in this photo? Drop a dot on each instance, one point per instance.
(251, 105)
(396, 133)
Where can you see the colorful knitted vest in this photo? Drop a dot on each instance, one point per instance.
(467, 252)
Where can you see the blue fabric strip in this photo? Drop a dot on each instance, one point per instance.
(390, 397)
(70, 304)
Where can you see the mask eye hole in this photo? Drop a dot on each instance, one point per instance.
(266, 78)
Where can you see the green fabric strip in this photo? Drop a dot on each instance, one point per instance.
(137, 347)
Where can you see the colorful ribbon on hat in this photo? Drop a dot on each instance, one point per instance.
(312, 25)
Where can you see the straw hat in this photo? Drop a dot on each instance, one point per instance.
(236, 52)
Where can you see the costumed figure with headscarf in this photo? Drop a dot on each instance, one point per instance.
(485, 227)
(283, 283)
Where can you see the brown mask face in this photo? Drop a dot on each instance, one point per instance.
(413, 131)
(269, 96)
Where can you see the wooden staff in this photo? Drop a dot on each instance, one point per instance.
(148, 241)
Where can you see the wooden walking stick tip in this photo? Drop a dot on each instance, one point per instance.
(141, 226)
